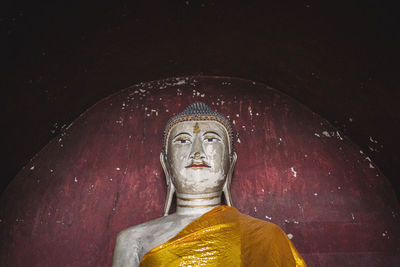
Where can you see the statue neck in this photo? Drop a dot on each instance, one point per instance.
(197, 204)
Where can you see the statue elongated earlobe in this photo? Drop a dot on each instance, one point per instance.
(227, 186)
(170, 185)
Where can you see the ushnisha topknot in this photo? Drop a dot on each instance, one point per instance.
(199, 111)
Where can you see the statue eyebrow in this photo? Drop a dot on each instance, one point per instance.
(211, 132)
(181, 134)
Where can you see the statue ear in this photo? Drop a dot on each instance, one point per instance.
(227, 186)
(170, 185)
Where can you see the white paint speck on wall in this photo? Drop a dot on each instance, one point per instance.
(326, 134)
(371, 166)
(293, 171)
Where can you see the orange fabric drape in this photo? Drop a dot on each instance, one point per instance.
(225, 237)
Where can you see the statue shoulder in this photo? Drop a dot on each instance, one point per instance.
(133, 242)
(127, 249)
(130, 243)
(140, 229)
(133, 235)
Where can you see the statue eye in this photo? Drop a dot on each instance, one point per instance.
(210, 139)
(182, 140)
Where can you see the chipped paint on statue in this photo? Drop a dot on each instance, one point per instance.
(198, 160)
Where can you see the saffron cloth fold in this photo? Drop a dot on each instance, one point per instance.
(225, 237)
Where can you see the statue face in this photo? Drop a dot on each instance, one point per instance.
(198, 156)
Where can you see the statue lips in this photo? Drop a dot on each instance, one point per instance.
(198, 165)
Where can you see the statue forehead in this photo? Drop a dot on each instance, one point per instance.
(193, 127)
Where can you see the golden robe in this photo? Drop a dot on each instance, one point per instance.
(225, 237)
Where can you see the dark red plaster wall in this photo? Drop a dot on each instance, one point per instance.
(102, 175)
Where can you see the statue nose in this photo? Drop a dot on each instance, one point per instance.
(197, 150)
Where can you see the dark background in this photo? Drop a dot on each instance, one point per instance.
(339, 58)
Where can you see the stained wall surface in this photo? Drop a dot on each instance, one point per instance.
(102, 175)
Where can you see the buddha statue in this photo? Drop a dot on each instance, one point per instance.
(198, 159)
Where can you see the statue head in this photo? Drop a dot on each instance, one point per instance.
(198, 155)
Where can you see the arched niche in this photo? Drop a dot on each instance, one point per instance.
(102, 175)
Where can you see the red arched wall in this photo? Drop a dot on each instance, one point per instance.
(102, 175)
